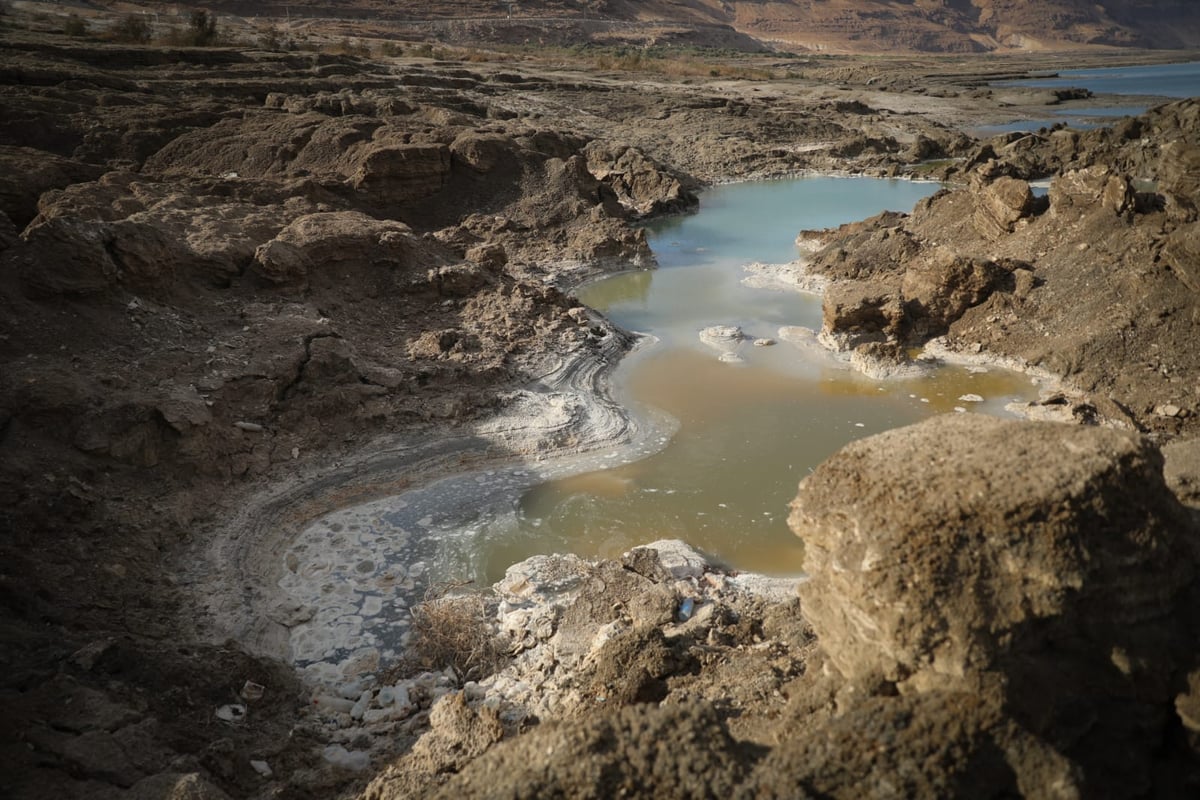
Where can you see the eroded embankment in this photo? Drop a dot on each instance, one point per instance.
(1094, 282)
(566, 421)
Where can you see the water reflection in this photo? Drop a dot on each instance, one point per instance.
(629, 288)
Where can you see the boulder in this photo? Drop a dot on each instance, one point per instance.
(641, 184)
(482, 152)
(392, 174)
(25, 174)
(938, 288)
(860, 311)
(999, 204)
(1085, 189)
(321, 244)
(1047, 562)
(63, 257)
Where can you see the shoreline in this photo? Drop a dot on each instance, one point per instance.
(504, 443)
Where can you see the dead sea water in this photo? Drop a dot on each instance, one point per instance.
(750, 429)
(746, 430)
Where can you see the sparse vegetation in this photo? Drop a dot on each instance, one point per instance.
(348, 47)
(75, 26)
(453, 631)
(201, 31)
(679, 63)
(131, 28)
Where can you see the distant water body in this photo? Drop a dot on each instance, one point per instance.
(1157, 80)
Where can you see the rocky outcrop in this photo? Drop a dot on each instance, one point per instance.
(332, 242)
(1095, 283)
(639, 183)
(27, 173)
(999, 205)
(1002, 568)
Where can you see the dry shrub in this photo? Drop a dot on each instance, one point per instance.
(75, 26)
(131, 28)
(453, 630)
(348, 47)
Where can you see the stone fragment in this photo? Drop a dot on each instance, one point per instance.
(1093, 187)
(939, 288)
(391, 173)
(351, 760)
(234, 713)
(1181, 252)
(999, 205)
(860, 311)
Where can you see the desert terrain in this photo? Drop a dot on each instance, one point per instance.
(268, 261)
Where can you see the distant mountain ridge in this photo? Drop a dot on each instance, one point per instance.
(822, 25)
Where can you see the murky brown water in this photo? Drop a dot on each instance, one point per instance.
(746, 434)
(748, 431)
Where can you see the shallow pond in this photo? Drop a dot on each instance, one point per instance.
(744, 433)
(751, 429)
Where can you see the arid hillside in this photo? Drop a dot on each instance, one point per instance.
(822, 25)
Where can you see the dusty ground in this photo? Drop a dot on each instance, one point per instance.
(225, 274)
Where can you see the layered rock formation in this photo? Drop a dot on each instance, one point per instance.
(1056, 590)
